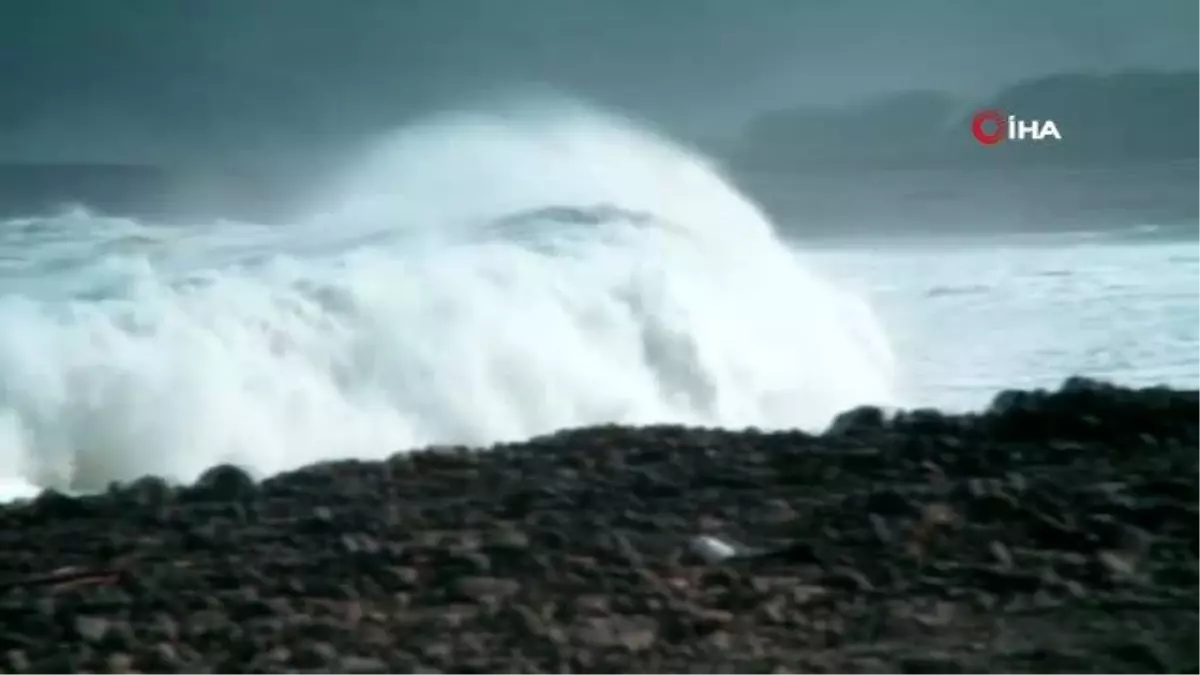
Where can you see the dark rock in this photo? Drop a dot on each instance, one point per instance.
(315, 655)
(162, 657)
(16, 661)
(1001, 554)
(931, 663)
(890, 503)
(862, 420)
(149, 492)
(847, 579)
(483, 589)
(1143, 655)
(58, 506)
(224, 483)
(363, 664)
(797, 552)
(630, 633)
(1056, 532)
(91, 628)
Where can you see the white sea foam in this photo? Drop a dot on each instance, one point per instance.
(417, 305)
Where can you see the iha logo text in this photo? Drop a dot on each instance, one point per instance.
(989, 127)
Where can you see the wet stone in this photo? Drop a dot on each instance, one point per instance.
(54, 504)
(91, 628)
(224, 483)
(482, 589)
(931, 663)
(314, 655)
(865, 419)
(932, 542)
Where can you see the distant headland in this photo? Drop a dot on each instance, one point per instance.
(1105, 120)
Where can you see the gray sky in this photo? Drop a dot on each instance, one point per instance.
(169, 80)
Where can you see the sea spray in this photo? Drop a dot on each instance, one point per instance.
(478, 277)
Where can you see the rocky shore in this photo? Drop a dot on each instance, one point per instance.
(1055, 532)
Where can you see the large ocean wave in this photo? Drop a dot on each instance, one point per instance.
(477, 277)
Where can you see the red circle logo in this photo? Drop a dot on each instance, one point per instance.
(980, 123)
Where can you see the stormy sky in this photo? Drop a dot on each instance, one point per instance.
(170, 81)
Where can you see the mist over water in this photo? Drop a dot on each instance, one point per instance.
(274, 83)
(476, 277)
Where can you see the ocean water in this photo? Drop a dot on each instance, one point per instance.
(970, 317)
(484, 277)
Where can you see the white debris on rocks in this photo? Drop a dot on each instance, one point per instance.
(712, 550)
